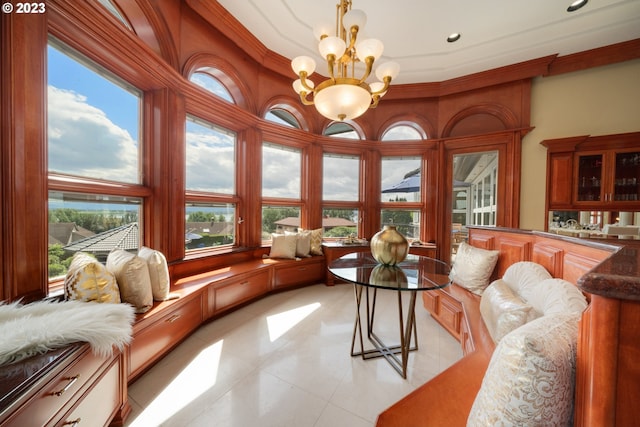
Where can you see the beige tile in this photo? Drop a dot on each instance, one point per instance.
(285, 361)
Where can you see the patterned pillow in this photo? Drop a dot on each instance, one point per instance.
(503, 311)
(316, 241)
(530, 380)
(473, 267)
(158, 272)
(89, 280)
(132, 275)
(283, 246)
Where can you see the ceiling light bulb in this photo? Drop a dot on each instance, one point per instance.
(388, 69)
(332, 46)
(369, 47)
(322, 29)
(355, 17)
(303, 63)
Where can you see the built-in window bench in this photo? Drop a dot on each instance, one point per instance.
(69, 384)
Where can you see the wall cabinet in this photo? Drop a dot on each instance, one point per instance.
(598, 173)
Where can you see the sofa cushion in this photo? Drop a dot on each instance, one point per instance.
(530, 380)
(502, 310)
(553, 296)
(316, 242)
(132, 275)
(524, 274)
(89, 280)
(473, 267)
(158, 272)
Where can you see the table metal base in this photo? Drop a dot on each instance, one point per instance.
(407, 330)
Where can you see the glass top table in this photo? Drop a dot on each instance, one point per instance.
(415, 273)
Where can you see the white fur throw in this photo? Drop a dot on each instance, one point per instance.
(27, 330)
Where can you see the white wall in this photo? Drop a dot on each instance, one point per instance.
(598, 101)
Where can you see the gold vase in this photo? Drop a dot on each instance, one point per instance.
(390, 276)
(389, 246)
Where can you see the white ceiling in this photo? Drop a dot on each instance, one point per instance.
(495, 33)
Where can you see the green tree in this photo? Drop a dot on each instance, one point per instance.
(56, 261)
(271, 215)
(200, 216)
(340, 231)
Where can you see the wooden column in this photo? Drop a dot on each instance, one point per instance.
(23, 44)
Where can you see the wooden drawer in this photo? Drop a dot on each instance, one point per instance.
(153, 341)
(59, 392)
(450, 316)
(431, 301)
(240, 290)
(299, 272)
(98, 407)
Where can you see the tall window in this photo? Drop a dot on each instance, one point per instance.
(282, 117)
(211, 188)
(93, 138)
(340, 194)
(281, 189)
(401, 194)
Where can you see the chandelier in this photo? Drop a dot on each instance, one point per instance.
(344, 96)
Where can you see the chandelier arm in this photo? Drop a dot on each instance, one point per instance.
(369, 63)
(354, 37)
(387, 82)
(374, 101)
(331, 61)
(303, 80)
(304, 100)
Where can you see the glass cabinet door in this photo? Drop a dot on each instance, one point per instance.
(627, 177)
(589, 177)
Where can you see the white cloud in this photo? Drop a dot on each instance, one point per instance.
(210, 161)
(84, 141)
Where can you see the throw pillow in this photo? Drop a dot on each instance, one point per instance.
(158, 272)
(530, 380)
(473, 267)
(316, 241)
(283, 246)
(502, 310)
(132, 275)
(303, 243)
(89, 280)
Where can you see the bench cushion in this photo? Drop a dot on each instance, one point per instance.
(502, 310)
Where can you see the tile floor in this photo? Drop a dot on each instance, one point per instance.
(284, 361)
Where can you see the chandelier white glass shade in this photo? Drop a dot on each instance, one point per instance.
(344, 96)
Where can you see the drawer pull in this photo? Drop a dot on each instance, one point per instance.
(173, 318)
(73, 423)
(71, 380)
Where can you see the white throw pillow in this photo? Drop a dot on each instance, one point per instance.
(132, 275)
(158, 272)
(553, 296)
(283, 246)
(530, 380)
(303, 243)
(473, 267)
(525, 274)
(502, 310)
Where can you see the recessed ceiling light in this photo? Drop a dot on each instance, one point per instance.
(454, 37)
(576, 5)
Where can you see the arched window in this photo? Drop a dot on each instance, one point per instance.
(282, 117)
(403, 132)
(212, 84)
(341, 130)
(115, 12)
